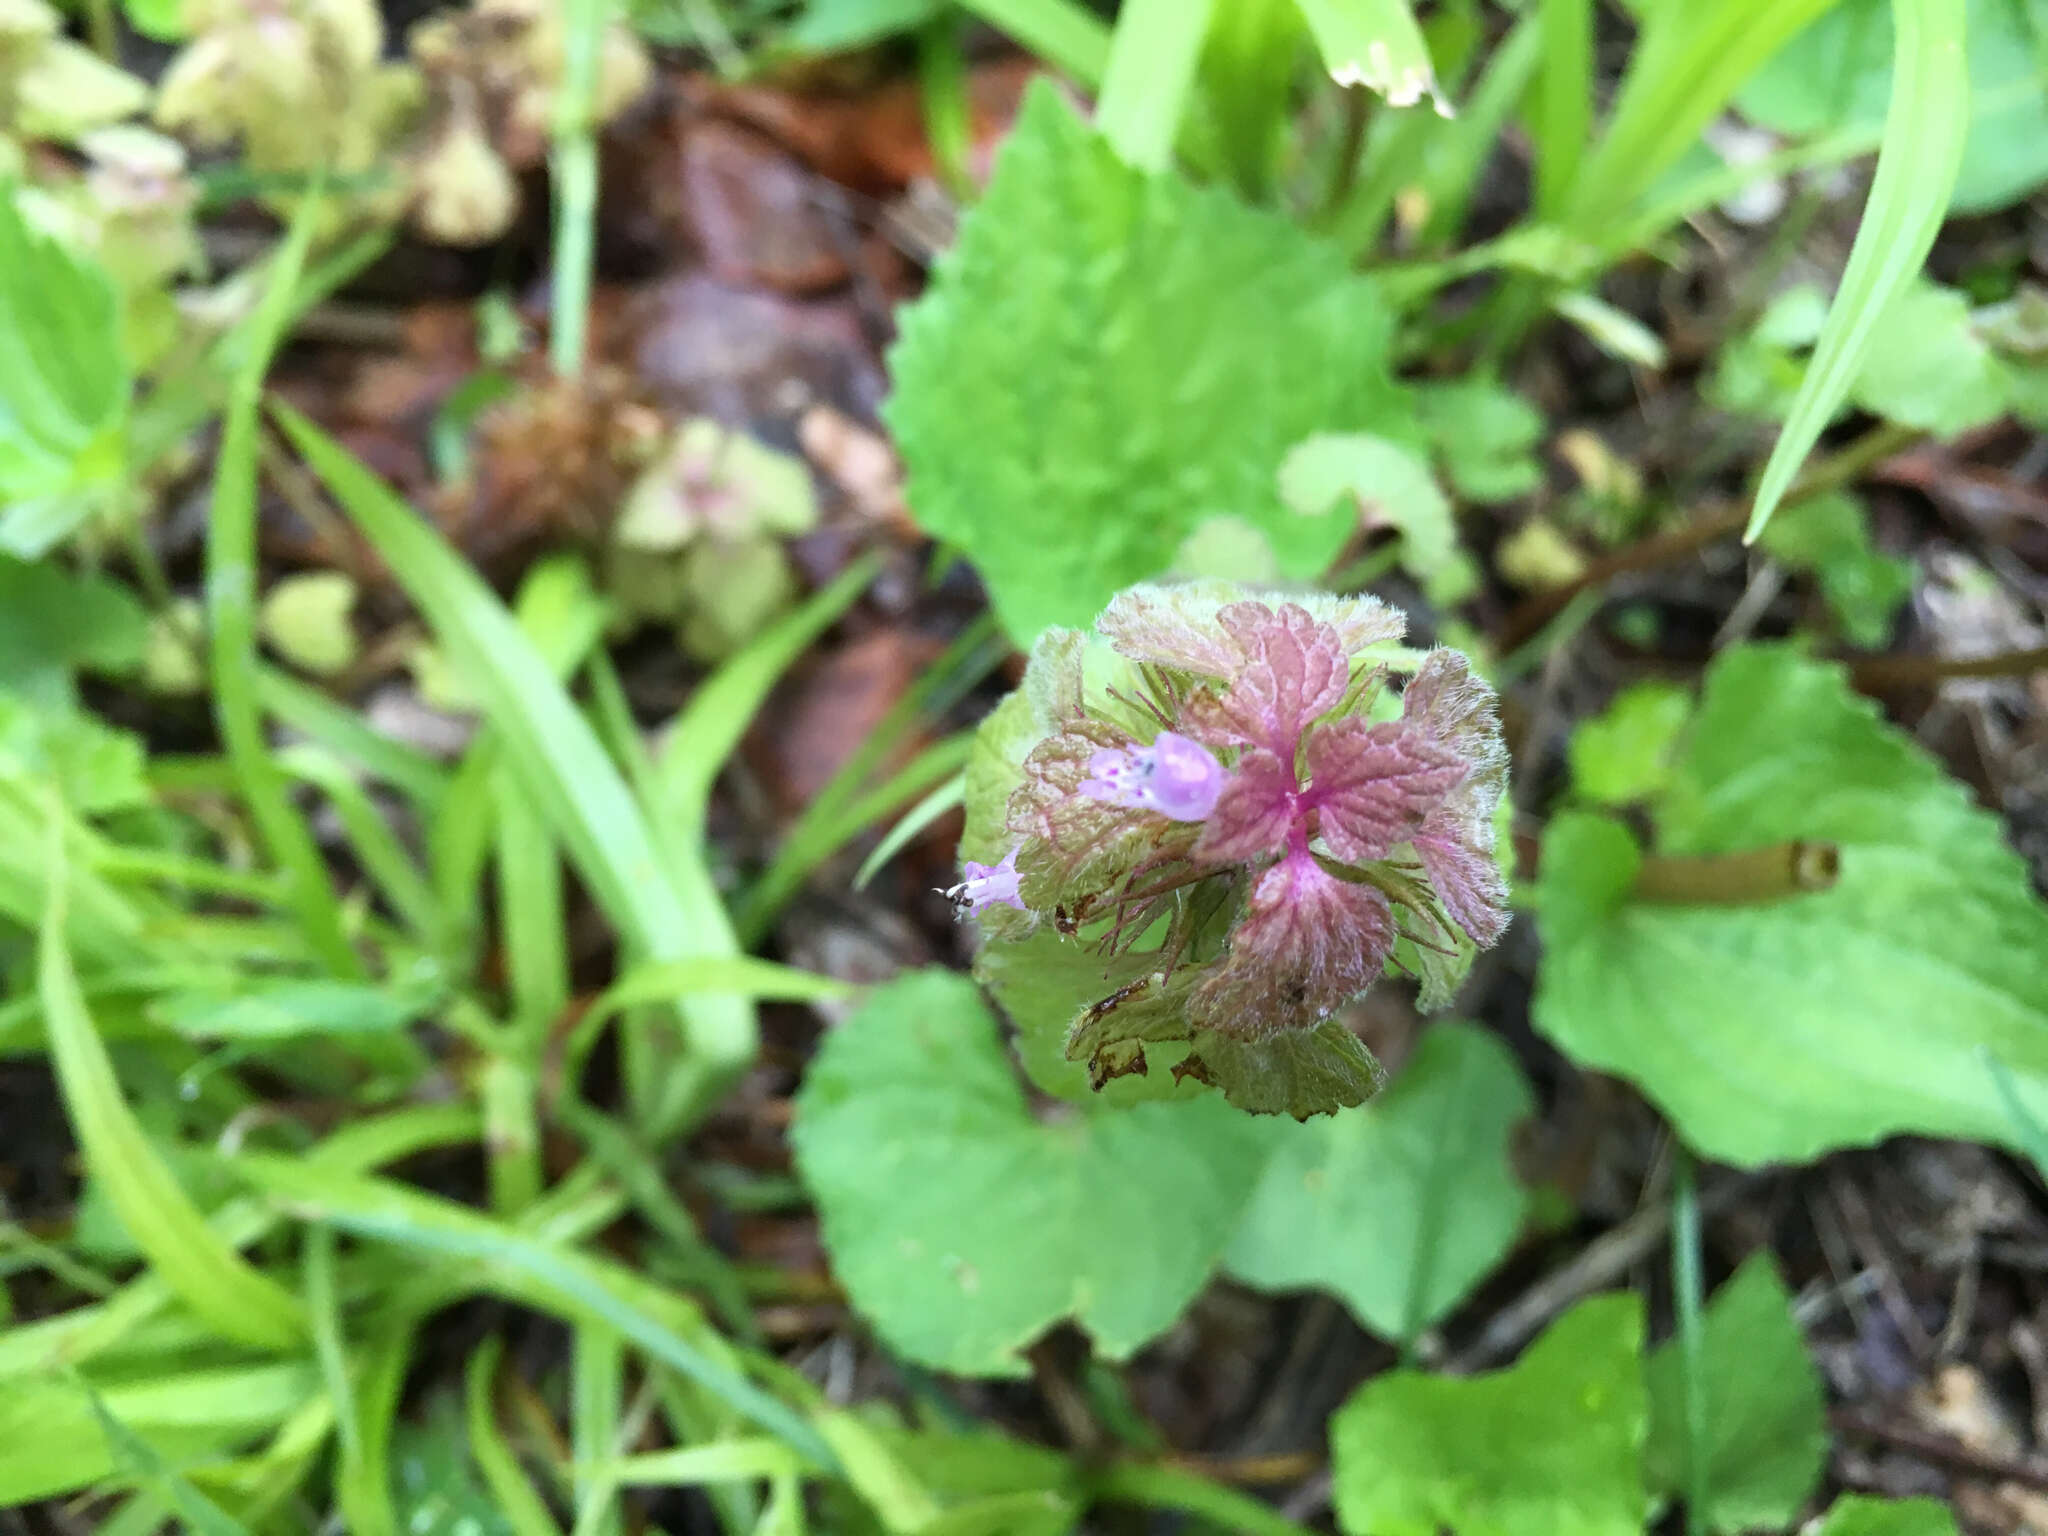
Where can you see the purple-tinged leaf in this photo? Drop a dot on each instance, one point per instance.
(1456, 841)
(1294, 670)
(1373, 785)
(1253, 814)
(1307, 943)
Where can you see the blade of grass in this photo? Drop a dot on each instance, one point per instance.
(691, 1466)
(1150, 76)
(522, 1508)
(1064, 33)
(1690, 1298)
(1689, 62)
(1376, 44)
(329, 1346)
(667, 981)
(1917, 162)
(639, 1172)
(231, 617)
(377, 848)
(597, 1383)
(362, 1487)
(1161, 1486)
(237, 1300)
(795, 860)
(1561, 113)
(910, 825)
(82, 1334)
(568, 1281)
(346, 734)
(51, 1442)
(668, 914)
(707, 730)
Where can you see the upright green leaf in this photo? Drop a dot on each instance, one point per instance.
(64, 379)
(1376, 44)
(52, 1440)
(1399, 1206)
(1916, 172)
(1766, 1430)
(1552, 1444)
(964, 1226)
(1774, 1032)
(231, 615)
(236, 1300)
(670, 913)
(1106, 360)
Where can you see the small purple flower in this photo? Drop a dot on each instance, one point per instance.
(1178, 778)
(987, 885)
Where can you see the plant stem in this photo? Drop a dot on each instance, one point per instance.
(574, 163)
(1686, 1283)
(1749, 878)
(1878, 674)
(1719, 521)
(1160, 1486)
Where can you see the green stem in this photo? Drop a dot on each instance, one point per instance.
(1685, 1271)
(574, 165)
(1166, 1487)
(1748, 878)
(231, 615)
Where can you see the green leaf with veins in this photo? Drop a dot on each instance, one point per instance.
(1623, 754)
(1484, 436)
(1829, 536)
(1423, 1170)
(1552, 1444)
(1106, 360)
(1928, 368)
(1767, 1435)
(1779, 1031)
(964, 1226)
(54, 624)
(1385, 485)
(63, 377)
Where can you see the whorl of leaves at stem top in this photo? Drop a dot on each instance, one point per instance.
(1217, 795)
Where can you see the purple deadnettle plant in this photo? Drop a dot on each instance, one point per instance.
(1219, 817)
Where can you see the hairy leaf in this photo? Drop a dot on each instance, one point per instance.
(1108, 359)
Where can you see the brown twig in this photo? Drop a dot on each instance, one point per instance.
(1882, 674)
(1718, 521)
(1943, 1450)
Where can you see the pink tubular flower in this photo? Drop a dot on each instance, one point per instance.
(1178, 778)
(1226, 814)
(987, 885)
